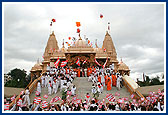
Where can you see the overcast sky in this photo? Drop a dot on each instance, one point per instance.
(137, 31)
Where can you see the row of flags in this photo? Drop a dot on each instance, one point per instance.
(63, 63)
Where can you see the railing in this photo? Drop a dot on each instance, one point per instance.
(31, 86)
(132, 90)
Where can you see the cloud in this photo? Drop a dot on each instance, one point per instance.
(137, 31)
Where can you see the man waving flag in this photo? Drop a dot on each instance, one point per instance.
(78, 62)
(84, 61)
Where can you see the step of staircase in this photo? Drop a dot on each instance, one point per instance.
(83, 87)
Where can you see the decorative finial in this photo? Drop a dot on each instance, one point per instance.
(96, 43)
(121, 60)
(109, 27)
(63, 44)
(38, 61)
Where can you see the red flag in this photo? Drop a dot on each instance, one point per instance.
(78, 30)
(101, 16)
(132, 96)
(69, 93)
(78, 101)
(104, 49)
(6, 107)
(69, 38)
(53, 20)
(56, 99)
(13, 97)
(109, 97)
(45, 96)
(44, 104)
(63, 63)
(74, 98)
(57, 62)
(78, 62)
(21, 93)
(37, 100)
(120, 101)
(84, 61)
(37, 93)
(97, 62)
(134, 100)
(19, 102)
(78, 24)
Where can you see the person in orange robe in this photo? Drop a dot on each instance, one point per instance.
(99, 79)
(114, 78)
(105, 77)
(88, 72)
(108, 84)
(66, 70)
(78, 70)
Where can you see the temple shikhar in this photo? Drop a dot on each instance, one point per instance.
(80, 49)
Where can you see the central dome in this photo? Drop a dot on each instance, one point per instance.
(80, 43)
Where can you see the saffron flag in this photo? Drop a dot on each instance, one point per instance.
(97, 62)
(78, 62)
(53, 20)
(13, 97)
(63, 63)
(57, 62)
(84, 61)
(78, 24)
(101, 16)
(44, 104)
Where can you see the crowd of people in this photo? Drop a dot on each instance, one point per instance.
(61, 79)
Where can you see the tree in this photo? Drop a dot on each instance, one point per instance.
(19, 78)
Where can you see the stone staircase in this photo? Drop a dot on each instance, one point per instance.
(83, 87)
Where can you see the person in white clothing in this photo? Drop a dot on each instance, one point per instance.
(27, 96)
(39, 86)
(54, 87)
(49, 88)
(102, 79)
(73, 89)
(118, 82)
(43, 81)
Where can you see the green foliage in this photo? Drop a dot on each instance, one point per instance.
(18, 74)
(150, 82)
